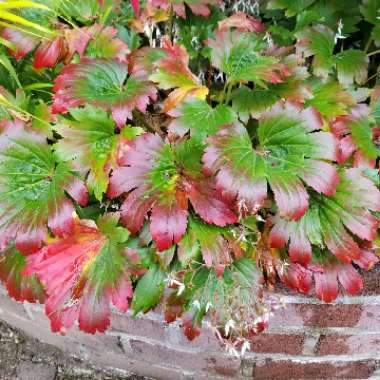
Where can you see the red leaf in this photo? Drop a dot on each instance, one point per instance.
(168, 223)
(135, 208)
(49, 53)
(77, 40)
(291, 197)
(298, 278)
(299, 248)
(156, 180)
(367, 259)
(78, 84)
(23, 42)
(24, 217)
(326, 183)
(242, 22)
(82, 274)
(350, 279)
(326, 285)
(209, 204)
(190, 331)
(136, 6)
(20, 287)
(199, 7)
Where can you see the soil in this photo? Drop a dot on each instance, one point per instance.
(25, 358)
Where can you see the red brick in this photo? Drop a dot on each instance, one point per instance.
(288, 369)
(324, 315)
(340, 344)
(139, 326)
(291, 344)
(194, 361)
(372, 281)
(206, 341)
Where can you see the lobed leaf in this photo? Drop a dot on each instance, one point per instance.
(83, 273)
(32, 189)
(200, 118)
(20, 287)
(318, 42)
(240, 56)
(104, 84)
(90, 141)
(172, 71)
(198, 7)
(331, 221)
(160, 178)
(289, 151)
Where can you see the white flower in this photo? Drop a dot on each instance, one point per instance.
(194, 41)
(172, 281)
(229, 326)
(232, 350)
(268, 39)
(338, 34)
(219, 77)
(246, 346)
(181, 288)
(208, 305)
(197, 304)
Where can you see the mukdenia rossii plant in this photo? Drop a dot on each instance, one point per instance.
(187, 154)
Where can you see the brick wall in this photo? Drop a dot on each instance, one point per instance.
(308, 340)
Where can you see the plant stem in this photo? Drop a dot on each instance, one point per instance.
(371, 77)
(373, 53)
(171, 16)
(368, 44)
(223, 97)
(229, 89)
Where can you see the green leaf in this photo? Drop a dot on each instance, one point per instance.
(104, 84)
(370, 11)
(200, 118)
(375, 112)
(130, 37)
(94, 267)
(352, 66)
(253, 102)
(331, 221)
(8, 65)
(375, 34)
(91, 142)
(42, 115)
(330, 99)
(188, 248)
(20, 287)
(286, 153)
(149, 290)
(83, 11)
(292, 7)
(32, 189)
(306, 18)
(239, 56)
(361, 132)
(318, 41)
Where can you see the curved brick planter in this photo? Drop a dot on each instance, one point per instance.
(309, 340)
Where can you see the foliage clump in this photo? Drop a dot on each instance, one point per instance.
(188, 153)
